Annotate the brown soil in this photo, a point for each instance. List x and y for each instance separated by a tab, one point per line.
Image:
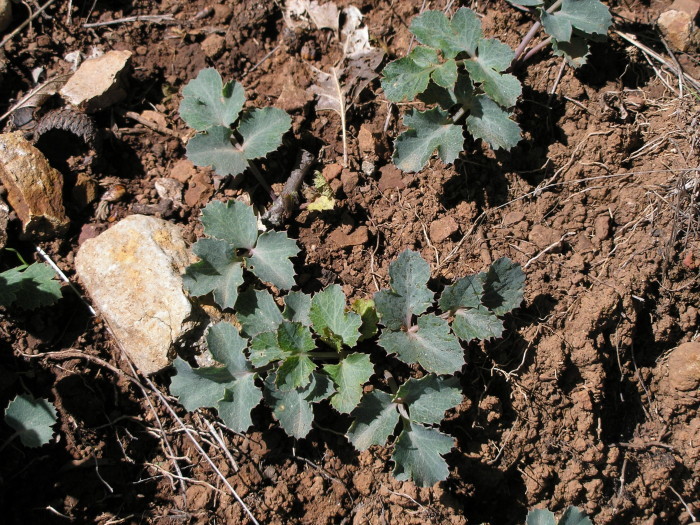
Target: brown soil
577	405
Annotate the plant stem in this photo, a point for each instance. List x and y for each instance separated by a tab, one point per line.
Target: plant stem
256	171
536	49
530	35
282	206
324	355
391	382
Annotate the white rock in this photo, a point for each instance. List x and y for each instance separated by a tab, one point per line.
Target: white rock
99	82
133	272
5	14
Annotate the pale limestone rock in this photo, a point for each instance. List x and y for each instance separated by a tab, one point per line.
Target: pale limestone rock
677	28
133	272
34	188
5	14
99	82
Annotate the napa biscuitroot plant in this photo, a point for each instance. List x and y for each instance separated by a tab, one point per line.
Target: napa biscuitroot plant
211	107
466	78
304	351
571	516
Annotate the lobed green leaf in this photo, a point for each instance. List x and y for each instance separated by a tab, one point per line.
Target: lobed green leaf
257	312
491	123
418	455
349	375
31	419
409	294
374	420
591	17
29	287
331	322
207	102
219	271
270	259
430	344
503	286
428	398
199	387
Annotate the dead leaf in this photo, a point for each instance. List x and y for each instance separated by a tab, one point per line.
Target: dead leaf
324	16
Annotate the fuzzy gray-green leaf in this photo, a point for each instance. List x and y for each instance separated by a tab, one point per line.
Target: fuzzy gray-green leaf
227	346
503	286
591	17
232	221
293	408
462	33
418	455
406	77
270	259
297	306
29	287
427	132
331	322
31	419
262	130
349	375
213	148
199	387
428	398
207	102
257	312
476	323
492	58
219	271
432	345
374	420
491	123
409	294
238	402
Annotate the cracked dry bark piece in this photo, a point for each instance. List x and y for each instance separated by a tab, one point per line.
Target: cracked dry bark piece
34	188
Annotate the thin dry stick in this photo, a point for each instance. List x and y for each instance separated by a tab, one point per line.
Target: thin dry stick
341	100
63	277
220	442
629	38
58	79
150	124
154	19
548	249
26	23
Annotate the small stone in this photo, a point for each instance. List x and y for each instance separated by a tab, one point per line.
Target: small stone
34	188
213	45
602	227
366	141
292	97
543	237
99	82
443	228
513	217
133	273
156	117
85	191
684	367
332	171
4	219
169	189
692	7
676	27
183	171
391	178
350	180
89	231
357	238
5	14
200	189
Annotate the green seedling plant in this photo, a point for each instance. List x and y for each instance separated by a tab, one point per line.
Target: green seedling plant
466	77
571	516
307	351
211	107
29	286
31	419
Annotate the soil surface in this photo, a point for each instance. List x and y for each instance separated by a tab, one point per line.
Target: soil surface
579	404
